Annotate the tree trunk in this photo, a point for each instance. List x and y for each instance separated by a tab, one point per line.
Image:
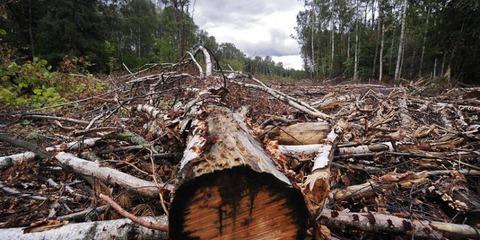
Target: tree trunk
348	45
401	42
374	69
424	43
311	40
382	41
30	31
113	229
355	68
231	189
332	4
299	133
443	63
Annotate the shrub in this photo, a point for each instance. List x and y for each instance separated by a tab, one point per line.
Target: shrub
33	84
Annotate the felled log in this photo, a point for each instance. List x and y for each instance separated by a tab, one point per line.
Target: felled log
231	188
299	133
402	180
7	161
381	223
109	175
113	229
317	184
341	150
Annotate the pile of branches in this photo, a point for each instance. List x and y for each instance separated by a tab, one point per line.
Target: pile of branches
370	160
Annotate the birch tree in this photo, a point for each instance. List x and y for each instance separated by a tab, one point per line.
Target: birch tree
401	41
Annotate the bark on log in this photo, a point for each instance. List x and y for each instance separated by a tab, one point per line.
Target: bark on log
110	175
341	150
8	161
231	188
299	133
317	184
376	222
113	229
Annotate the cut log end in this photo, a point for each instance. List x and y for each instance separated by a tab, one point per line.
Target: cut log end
237	203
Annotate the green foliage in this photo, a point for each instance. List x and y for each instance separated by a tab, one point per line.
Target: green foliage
348	67
163	51
30	84
33	84
108	52
236	64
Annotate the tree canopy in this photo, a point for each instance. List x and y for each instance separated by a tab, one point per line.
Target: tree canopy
109	33
378	38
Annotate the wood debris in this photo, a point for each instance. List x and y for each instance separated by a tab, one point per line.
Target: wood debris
227	155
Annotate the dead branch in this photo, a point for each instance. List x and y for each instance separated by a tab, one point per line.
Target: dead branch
7	161
288	100
110	175
112	229
381	223
15	192
34	116
135	219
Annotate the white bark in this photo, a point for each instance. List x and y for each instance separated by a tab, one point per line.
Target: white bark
109	175
424	43
8	161
401	42
355	68
208	61
15	159
317	185
376	222
300	149
342	151
289	100
151	110
200	70
332	5
113	229
382	41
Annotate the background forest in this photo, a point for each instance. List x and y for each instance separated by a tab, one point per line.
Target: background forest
110	33
44	42
379	39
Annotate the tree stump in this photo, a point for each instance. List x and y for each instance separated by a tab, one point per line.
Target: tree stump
231	188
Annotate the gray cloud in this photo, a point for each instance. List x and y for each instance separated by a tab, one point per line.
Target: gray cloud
281	44
236	12
235	19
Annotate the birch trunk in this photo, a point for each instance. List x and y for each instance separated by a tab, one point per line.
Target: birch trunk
332	5
382	41
424	43
113	229
401	42
355	68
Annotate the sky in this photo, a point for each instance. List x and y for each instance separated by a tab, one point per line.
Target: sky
257	27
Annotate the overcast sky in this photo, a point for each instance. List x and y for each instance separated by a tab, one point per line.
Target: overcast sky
257	27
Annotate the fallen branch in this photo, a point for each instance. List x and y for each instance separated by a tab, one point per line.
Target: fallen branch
135	219
56	118
151	110
15	192
113	229
287	99
81	214
8	161
110	175
317	184
381	223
